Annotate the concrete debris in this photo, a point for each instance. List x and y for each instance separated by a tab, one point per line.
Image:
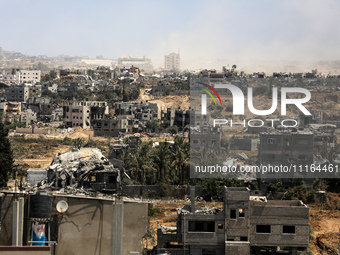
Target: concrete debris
186	210
81	171
243	156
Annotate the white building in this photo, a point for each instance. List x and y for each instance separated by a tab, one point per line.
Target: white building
172	62
22	76
30	76
82	113
10	78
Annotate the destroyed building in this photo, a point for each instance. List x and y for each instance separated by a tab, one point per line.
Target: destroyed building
112	127
298	148
286	148
181	118
136	110
205	136
85	170
245	225
324	136
82	113
244	144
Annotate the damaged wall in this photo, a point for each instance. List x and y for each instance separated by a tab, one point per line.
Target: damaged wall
86	227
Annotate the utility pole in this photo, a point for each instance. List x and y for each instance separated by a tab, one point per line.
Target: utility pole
117	226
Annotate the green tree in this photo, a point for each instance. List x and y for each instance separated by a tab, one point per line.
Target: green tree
6	156
173	130
152	125
181	159
161	159
91	73
139	162
78	143
53	74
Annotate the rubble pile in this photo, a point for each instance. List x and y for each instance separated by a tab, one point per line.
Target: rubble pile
81	171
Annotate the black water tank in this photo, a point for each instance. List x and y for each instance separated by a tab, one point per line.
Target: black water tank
41	205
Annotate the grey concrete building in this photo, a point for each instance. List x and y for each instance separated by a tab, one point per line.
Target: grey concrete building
244	144
206	136
286	148
17	93
245	225
181	118
112	127
130	108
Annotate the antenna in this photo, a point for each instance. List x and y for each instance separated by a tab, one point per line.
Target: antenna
62	206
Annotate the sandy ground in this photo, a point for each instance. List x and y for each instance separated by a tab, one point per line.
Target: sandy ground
163	103
325	225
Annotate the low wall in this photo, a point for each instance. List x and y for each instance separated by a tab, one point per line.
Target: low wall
153	191
43	131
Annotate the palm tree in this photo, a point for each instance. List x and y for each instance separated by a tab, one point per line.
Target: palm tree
161	158
139	161
181	158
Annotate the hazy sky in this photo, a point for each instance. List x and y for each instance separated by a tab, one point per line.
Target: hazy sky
207	33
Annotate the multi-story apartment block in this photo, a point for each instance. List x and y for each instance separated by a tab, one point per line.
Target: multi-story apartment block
34	93
10	78
17	93
285	148
146	115
21	76
143	111
112	127
84	112
172	62
181	118
245	225
10	108
23	93
206	136
31	76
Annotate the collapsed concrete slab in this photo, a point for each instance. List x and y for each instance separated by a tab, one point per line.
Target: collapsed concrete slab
85	170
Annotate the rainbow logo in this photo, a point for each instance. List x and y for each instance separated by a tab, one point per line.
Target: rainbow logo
213	90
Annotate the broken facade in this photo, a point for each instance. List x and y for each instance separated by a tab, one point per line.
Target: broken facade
243	226
85	170
82	113
181	118
205	136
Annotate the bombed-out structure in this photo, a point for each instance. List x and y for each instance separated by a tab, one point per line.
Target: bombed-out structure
85	170
245	225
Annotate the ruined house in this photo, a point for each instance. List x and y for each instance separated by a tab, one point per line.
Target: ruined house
112	127
85	170
245	225
205	136
83	113
181	118
285	148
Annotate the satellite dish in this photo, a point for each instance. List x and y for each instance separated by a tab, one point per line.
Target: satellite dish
62	206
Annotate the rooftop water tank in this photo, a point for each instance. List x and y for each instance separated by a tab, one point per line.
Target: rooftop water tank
41	205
